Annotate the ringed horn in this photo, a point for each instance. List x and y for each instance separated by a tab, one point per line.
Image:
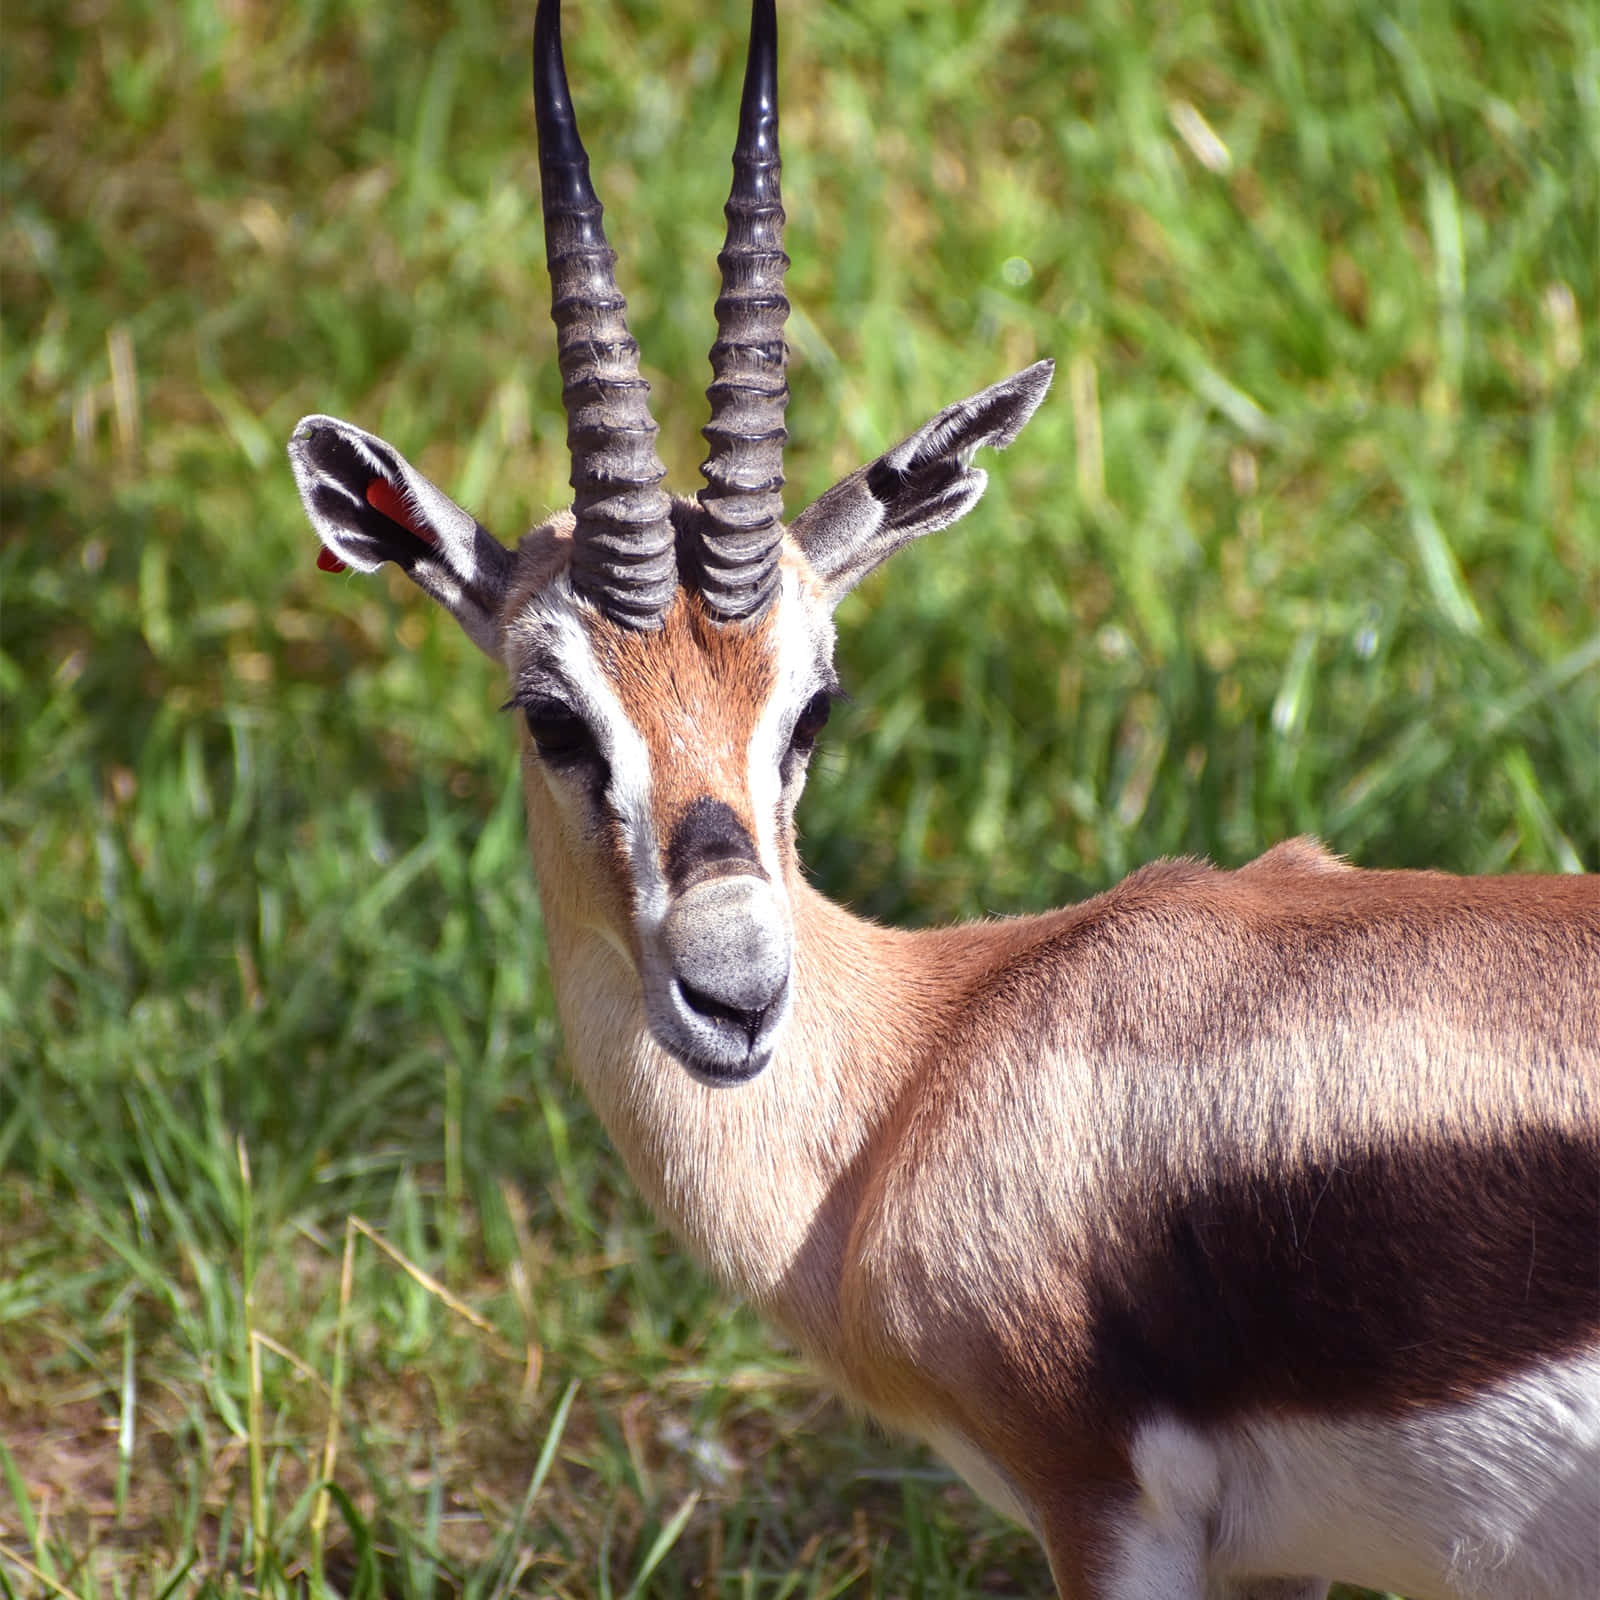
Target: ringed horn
623	542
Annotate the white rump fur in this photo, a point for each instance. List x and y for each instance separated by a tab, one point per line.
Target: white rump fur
1495	1498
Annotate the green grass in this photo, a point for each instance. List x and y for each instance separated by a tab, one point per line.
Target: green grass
1307	538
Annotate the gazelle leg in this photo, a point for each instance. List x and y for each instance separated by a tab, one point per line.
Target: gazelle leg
1129	1554
1146	1539
1141	1560
1150	1539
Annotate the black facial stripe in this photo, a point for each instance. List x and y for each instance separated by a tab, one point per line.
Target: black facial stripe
708	833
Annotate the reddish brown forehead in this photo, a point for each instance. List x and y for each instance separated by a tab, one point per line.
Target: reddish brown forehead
694	689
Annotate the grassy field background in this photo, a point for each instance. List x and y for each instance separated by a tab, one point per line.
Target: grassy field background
1306	538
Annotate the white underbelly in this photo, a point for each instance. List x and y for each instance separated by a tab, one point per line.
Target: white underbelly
1496	1498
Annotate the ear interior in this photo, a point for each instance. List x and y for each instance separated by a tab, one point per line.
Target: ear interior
369	505
925	483
352	499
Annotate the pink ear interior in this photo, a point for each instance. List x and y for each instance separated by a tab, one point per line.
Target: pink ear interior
381	496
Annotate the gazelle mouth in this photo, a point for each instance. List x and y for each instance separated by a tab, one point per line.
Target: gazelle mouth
719	1044
707	1006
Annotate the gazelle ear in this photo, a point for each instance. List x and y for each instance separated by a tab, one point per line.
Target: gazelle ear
370	505
925	483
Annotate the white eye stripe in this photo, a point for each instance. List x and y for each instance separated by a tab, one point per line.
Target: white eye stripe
800	650
565	643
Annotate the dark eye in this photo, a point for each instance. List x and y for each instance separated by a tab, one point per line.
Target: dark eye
812	720
558	731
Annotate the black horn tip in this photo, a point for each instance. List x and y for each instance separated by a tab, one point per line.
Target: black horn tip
552	101
758	106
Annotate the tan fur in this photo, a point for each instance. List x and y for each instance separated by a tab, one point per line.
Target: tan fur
693	690
1026	1109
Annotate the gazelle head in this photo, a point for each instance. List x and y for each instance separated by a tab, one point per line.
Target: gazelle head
672	657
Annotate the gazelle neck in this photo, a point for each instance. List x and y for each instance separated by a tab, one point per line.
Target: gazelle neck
762	1180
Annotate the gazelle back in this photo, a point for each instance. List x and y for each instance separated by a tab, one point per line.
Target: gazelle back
1236	1231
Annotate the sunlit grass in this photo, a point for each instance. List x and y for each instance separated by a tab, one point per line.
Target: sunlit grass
1307	538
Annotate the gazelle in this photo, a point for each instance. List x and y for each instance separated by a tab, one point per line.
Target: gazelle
1235	1230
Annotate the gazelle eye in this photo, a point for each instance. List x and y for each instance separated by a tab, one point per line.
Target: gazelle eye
559	733
811	721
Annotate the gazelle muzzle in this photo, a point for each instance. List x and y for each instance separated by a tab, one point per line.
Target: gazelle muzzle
717	978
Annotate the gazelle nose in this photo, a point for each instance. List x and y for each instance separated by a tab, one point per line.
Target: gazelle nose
728	942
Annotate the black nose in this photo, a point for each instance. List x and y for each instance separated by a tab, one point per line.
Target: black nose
705	840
